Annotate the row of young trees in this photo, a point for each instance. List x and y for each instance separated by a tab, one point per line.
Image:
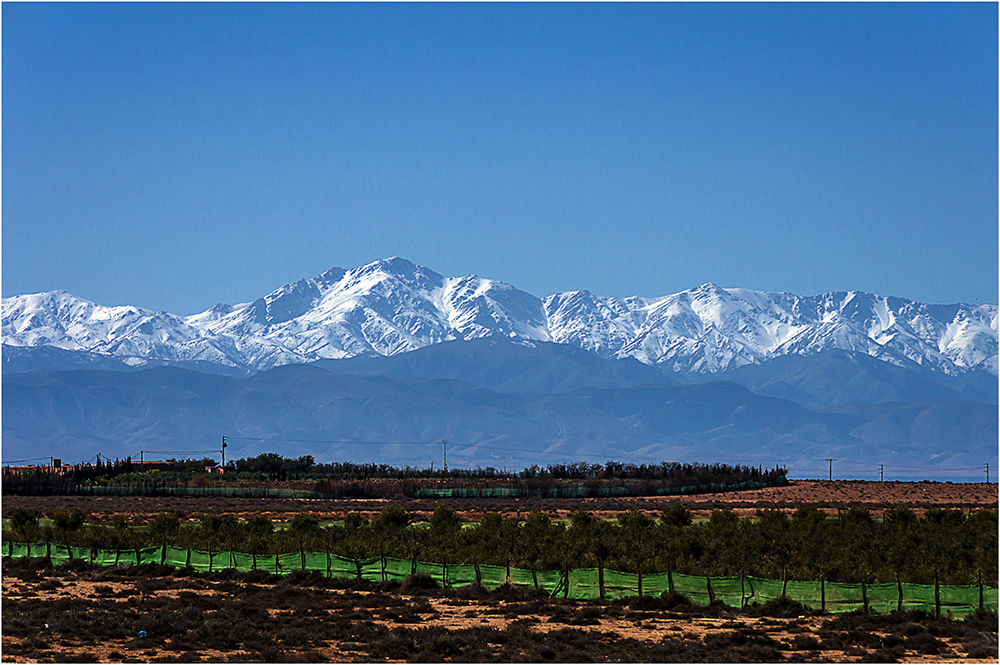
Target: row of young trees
331	478
676	473
944	545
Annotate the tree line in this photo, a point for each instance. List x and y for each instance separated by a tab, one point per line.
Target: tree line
350	478
943	546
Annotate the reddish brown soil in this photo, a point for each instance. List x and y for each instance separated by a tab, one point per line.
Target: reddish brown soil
145	601
826	495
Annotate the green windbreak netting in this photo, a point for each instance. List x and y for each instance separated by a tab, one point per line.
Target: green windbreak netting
289	562
176	557
842	597
521	577
58	554
371	569
991	599
759	590
104	558
460	575
550	581
243	562
435	570
584	583
882	598
397	569
655	584
694	587
342	567
200	561
544	580
492	576
316	561
80	553
243	492
809	594
149	555
960	599
919	597
728	590
620	585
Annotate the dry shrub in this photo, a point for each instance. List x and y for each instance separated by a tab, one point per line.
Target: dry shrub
419	582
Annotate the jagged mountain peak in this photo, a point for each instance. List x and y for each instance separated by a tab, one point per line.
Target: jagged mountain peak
393	305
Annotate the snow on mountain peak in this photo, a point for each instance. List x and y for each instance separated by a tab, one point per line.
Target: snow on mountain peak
393	305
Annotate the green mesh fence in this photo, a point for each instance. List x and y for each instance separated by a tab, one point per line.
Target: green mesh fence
584	583
460	575
842	597
808	593
918	597
104	557
728	590
759	590
435	570
492	576
239	492
243	561
656	584
694	587
882	598
620	585
521	578
199	561
175	557
581	583
955	598
342	567
397	569
369	569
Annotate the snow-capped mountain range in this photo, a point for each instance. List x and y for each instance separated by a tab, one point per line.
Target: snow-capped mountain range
393	306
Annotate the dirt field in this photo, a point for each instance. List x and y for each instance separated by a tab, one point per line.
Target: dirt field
826	495
77	613
82	614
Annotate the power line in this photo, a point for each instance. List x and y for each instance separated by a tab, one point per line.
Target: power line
380	443
900	466
33	459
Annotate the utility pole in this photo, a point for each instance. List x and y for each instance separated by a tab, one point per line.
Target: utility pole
986	466
445	442
223	452
141	460
831	460
880	473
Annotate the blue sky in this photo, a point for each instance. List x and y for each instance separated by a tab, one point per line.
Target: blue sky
173	156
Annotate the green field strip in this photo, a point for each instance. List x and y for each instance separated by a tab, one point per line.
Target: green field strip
580	584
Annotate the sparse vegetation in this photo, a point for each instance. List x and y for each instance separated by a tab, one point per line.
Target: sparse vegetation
255	617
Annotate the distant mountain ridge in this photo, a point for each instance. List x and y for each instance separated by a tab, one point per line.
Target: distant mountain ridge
393	306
